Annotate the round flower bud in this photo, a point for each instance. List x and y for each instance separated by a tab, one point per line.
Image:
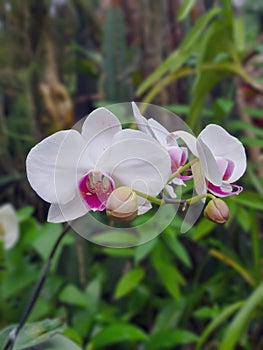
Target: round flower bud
122	204
217	211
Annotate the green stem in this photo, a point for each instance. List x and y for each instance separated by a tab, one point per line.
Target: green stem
198	197
166	200
188	201
149	198
181	170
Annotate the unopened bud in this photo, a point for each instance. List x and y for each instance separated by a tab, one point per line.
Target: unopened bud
217	211
122	204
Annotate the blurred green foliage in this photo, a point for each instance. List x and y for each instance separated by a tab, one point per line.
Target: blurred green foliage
201	290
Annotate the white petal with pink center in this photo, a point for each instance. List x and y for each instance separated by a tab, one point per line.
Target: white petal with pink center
222	160
77	172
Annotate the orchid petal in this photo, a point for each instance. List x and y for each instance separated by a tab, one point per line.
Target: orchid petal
158	131
51	166
143	206
222	166
137	163
199	179
69	211
179	180
208	162
98	130
226	146
170	190
171	140
178	157
9	223
189	140
225	190
141	121
132	134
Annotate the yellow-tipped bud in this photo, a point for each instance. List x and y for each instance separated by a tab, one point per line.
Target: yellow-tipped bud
217	211
122	204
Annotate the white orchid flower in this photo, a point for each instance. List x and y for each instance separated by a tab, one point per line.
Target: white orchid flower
76	172
178	155
222	160
9	229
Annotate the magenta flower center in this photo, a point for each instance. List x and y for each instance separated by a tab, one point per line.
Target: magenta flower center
178	156
226	167
95	189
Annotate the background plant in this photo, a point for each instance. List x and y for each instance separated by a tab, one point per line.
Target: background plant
200	290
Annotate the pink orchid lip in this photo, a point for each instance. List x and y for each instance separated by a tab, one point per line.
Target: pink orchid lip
226	166
229	170
217	190
95	188
178	156
185	177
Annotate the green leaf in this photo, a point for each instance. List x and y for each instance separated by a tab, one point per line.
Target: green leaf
256	244
171	277
128	282
255	180
169	316
246	274
249	199
93	292
115	238
117	333
249	141
171	338
206	312
185	8
239	34
7	179
217	321
24	213
223	106
124	252
168	273
203	228
238	326
60	342
33	333
177	247
143	250
243	218
47	237
254	112
73	296
245	126
178	57
192	37
184	109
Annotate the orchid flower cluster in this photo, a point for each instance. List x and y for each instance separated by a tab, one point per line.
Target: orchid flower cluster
124	171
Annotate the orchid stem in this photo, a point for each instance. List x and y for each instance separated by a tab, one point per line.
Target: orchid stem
166	200
188	201
182	169
38	287
150	198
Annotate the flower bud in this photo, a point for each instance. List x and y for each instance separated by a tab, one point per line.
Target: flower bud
122	204
217	211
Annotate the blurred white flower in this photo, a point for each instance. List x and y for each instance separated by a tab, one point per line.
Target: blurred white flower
9	228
